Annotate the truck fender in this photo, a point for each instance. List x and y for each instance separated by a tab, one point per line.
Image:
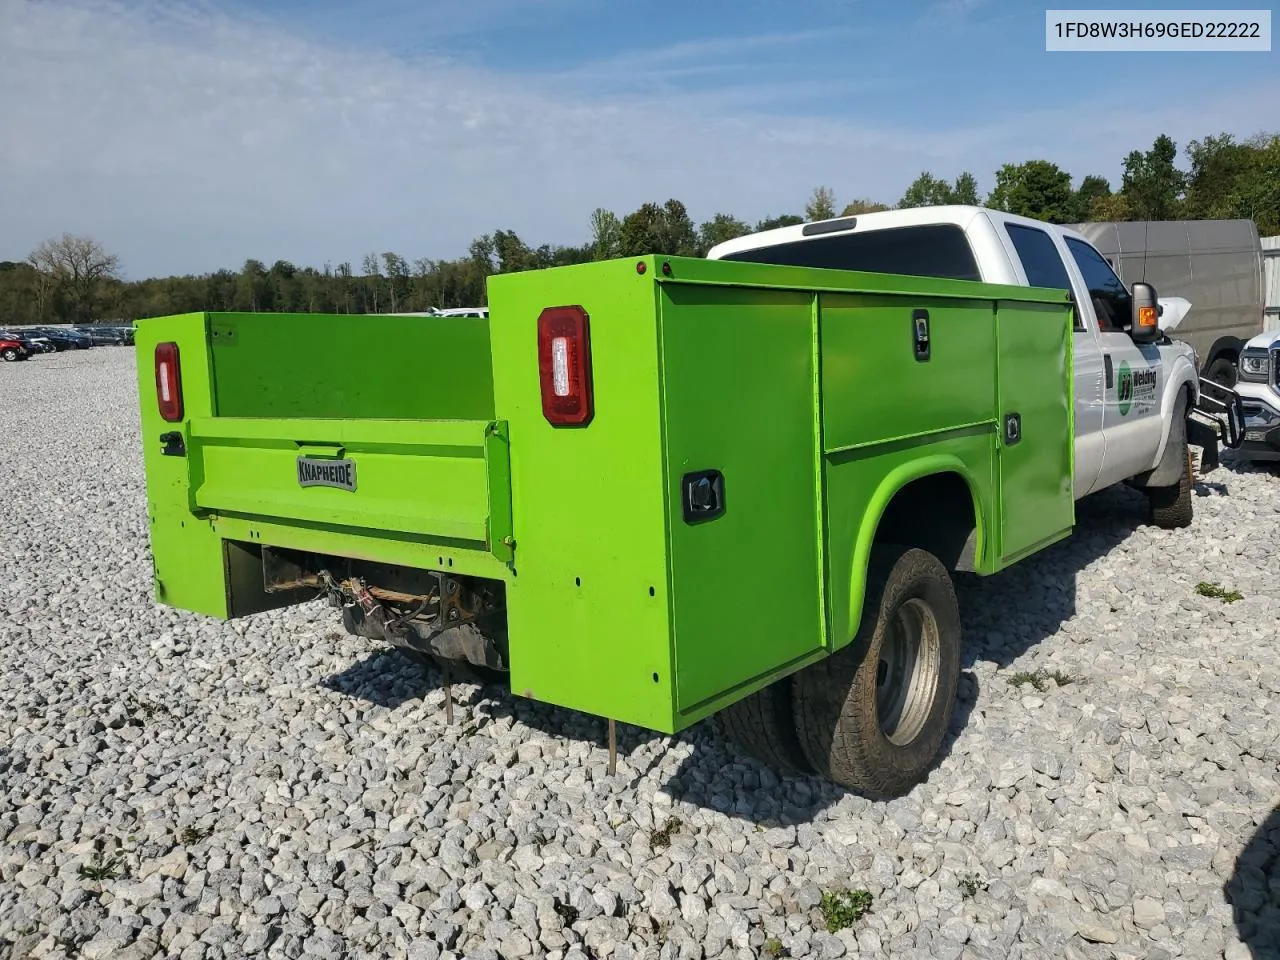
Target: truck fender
893	484
1181	393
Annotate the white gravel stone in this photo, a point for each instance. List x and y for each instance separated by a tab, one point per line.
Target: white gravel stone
275	785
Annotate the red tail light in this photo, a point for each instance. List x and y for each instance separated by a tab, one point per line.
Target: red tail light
168	382
564	366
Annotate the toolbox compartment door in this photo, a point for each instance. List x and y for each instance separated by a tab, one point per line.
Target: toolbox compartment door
739	398
1035	427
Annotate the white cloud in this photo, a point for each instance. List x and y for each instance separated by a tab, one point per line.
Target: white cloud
186	139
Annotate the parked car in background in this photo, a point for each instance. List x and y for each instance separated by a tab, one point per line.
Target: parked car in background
103	334
64	338
1215	264
473	312
12	350
33	344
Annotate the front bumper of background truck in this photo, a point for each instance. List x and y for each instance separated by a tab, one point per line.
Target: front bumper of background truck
1218	418
1261	405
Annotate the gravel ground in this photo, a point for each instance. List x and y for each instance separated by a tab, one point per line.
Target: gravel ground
172	786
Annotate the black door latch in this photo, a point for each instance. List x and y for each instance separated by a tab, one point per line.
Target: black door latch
920	334
173	444
702	495
1012	429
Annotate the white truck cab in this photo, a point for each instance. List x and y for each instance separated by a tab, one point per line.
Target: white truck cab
1135	389
1259	389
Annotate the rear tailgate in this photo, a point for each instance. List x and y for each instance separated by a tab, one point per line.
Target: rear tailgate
443	480
355	436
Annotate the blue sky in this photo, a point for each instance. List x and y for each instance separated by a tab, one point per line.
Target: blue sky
191	134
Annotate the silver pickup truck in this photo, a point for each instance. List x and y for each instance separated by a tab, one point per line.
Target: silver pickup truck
1259	389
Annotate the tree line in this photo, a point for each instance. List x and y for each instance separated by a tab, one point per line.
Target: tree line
74	279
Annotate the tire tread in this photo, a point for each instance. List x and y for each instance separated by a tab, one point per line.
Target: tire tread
1172	507
828	701
762	725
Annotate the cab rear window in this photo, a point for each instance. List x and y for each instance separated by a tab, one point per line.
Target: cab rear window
930	250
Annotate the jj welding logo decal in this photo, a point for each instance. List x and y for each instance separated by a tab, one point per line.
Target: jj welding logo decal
1135	389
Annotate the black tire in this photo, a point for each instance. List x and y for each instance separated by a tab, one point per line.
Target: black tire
9	355
1172	507
838	701
763	726
1223	371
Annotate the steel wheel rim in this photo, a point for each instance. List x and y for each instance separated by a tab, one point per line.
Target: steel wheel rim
907	672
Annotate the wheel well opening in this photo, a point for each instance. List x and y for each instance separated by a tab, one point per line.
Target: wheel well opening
934	513
1227	348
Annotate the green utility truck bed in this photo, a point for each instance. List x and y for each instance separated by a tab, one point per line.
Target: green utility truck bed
735	440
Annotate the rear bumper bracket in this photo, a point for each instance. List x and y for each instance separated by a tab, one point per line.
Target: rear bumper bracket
1218	418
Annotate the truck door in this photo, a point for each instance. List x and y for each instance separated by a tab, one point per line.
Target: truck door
1043	266
1132	375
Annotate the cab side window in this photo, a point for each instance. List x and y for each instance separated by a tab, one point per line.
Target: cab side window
1111	301
1041	261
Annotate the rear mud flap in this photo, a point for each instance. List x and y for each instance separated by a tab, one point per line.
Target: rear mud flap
1218	418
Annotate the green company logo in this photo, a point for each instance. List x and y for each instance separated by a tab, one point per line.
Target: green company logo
1124	388
1136	386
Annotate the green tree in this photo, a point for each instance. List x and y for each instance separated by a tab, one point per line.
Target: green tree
640	231
1035	188
511	252
654	229
1218	164
1091	188
606	234
282	286
926	190
679	236
372	280
784	220
718	229
76	269
1152	183
965	189
821	205
342	274
398	286
252	287
858	207
1110	208
1256	193
470	285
